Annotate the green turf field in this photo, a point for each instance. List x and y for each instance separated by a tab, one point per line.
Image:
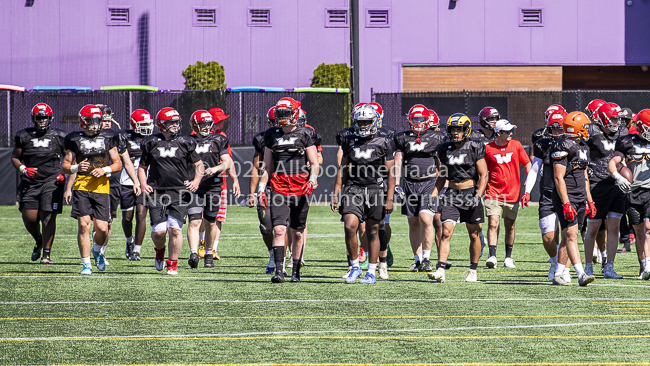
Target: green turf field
232	314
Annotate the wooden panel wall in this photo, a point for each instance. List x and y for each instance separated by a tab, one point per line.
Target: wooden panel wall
484	78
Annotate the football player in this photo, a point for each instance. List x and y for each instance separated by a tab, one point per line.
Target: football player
415	156
263	214
132	199
462	163
37	156
544	131
570	157
504	158
634	150
487	118
548	218
609	200
165	174
368	158
92	155
212	148
627	231
288	151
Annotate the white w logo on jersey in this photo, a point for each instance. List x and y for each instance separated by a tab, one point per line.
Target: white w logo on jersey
134	145
167	153
89	145
457	160
609	145
417	147
582	155
41	143
503	159
641	150
203	149
286	141
365	154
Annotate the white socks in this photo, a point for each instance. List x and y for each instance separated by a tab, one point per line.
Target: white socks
426	254
372	267
355	262
136	248
86	260
579	269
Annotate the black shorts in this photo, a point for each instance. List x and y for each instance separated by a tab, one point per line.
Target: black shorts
545	208
639	201
578	219
128	199
264	215
116	196
165	203
291	209
461	204
418	197
46	196
608	198
204	205
366	203
96	205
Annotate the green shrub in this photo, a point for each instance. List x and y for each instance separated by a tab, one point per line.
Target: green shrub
331	76
210	76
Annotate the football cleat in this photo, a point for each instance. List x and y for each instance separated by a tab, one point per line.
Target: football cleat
383	270
492	262
278	277
194	260
215	255
645	275
566	275
471	276
559	281
135	256
269	269
38	246
425	266
87	269
370	279
415	267
609	272
584	280
172	267
438	275
509	263
100	260
129	250
347	273
202	249
208	261
46	260
589	269
295	277
355	273
160	259
447	264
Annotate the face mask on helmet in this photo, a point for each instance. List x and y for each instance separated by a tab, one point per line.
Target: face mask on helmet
284	116
456	134
364	127
144	128
419	124
172	127
366	121
203	128
93	124
41	122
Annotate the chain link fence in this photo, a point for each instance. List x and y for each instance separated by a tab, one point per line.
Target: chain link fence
326	112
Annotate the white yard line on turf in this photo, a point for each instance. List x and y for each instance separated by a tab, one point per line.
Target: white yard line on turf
329	331
307	300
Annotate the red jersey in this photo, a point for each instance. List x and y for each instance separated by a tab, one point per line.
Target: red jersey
632	130
504	165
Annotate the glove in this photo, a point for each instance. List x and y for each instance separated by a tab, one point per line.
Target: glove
623	183
591	210
30	172
262	200
307	189
399	192
525	199
569	212
60	179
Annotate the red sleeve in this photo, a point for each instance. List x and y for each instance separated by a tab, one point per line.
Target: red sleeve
523	156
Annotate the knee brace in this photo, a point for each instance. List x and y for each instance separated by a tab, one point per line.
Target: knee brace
634	216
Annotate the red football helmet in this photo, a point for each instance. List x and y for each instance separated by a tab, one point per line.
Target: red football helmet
554	122
168	120
553	108
42	116
434	120
201	122
419	118
643	124
488	116
359	105
90	118
270	116
141	122
608	117
592	107
287	112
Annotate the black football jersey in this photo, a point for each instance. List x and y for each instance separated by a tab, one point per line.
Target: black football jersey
575	156
478	135
289	156
41	150
386	132
366	159
130	141
461	162
539	134
258	143
170	161
419	154
636	152
210	149
342	133
601	150
542	150
94	148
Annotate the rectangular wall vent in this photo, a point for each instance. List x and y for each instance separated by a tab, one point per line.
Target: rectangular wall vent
118	15
377	18
259	17
336	18
529	17
204	17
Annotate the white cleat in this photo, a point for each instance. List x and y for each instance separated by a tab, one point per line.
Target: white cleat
471	276
491	262
383	270
348	273
566	275
438	275
509	263
584	280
